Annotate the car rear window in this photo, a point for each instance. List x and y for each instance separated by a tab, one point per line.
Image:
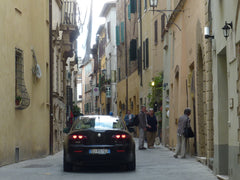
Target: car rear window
97	122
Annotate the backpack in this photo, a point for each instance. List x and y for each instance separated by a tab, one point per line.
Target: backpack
136	120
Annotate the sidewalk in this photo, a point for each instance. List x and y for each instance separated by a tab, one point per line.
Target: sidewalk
169	168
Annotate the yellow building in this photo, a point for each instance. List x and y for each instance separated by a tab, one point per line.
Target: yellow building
150	43
24	92
187	61
127	61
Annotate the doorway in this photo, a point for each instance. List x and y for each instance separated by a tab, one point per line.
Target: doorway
221	144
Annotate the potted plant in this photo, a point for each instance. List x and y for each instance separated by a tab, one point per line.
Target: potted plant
18	100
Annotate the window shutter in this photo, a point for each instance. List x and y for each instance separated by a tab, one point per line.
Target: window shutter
133	6
144	55
139	9
133	49
129	12
156	32
109	30
117	36
147	54
162	26
122	32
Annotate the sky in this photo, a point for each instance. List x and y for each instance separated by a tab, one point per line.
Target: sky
84	6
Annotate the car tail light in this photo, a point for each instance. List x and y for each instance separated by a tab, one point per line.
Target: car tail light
78	137
120	136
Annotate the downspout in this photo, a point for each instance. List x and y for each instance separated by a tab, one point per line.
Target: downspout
51	78
140	63
126	56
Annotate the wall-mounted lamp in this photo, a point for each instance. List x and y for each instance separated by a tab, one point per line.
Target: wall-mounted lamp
152	83
154	3
226	29
206	33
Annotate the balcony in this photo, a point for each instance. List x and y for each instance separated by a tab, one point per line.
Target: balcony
69	27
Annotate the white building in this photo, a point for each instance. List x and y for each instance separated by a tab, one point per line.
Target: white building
109	12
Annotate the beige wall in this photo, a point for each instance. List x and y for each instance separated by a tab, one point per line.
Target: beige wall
155	50
185	45
24	25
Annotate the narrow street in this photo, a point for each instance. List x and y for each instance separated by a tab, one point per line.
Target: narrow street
152	164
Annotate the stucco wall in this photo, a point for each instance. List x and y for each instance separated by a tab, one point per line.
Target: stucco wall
26	129
224	56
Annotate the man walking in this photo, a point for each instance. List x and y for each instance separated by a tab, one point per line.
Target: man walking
151	128
181	140
142	127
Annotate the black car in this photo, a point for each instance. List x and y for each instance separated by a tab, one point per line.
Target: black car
99	140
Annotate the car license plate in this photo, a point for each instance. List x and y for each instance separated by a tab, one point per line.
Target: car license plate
99	151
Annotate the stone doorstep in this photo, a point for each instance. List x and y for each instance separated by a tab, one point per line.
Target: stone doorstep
202	160
222	177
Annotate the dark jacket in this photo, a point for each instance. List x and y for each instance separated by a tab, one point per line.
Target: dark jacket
152	121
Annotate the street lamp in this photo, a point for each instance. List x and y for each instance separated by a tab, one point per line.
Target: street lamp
226	29
153	3
153	83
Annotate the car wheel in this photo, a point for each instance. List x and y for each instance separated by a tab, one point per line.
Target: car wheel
132	165
67	167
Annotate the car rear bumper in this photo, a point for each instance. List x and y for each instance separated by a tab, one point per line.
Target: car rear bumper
80	155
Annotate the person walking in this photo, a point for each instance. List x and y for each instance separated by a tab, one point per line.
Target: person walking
129	121
142	116
181	140
151	128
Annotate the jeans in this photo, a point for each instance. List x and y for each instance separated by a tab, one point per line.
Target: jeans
141	138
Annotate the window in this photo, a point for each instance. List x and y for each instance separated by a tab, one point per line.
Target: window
145	54
133	5
129	12
122	32
133	49
22	99
145	5
109	30
117	36
119	74
156	32
162	26
139	9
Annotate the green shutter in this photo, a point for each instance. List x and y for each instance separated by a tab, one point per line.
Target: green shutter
129	12
117	36
147	53
122	32
133	50
133	6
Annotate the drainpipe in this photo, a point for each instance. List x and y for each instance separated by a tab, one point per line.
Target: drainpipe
126	56
51	78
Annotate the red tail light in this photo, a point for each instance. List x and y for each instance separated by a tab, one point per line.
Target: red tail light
78	137
120	136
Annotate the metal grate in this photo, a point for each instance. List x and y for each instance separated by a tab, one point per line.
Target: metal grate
22	99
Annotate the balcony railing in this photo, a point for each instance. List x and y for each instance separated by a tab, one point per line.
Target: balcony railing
69	14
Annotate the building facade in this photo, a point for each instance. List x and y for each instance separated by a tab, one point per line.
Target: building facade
109	13
64	71
24	77
186	53
127	62
225	70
